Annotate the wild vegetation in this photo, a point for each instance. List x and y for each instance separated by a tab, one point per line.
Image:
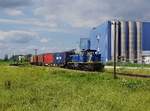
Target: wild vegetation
128	64
138	71
32	88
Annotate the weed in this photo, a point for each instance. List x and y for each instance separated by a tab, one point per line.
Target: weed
32	88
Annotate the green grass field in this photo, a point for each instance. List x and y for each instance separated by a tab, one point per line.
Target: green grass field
128	64
33	88
139	71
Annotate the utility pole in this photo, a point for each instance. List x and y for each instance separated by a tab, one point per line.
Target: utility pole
35	51
14	58
114	74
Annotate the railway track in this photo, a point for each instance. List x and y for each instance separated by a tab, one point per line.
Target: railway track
129	74
134	75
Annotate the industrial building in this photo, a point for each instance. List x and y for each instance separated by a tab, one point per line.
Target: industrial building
84	43
132	41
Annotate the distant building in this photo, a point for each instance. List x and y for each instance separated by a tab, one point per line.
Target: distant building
84	43
132	37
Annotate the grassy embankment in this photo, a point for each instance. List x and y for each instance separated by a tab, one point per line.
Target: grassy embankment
53	89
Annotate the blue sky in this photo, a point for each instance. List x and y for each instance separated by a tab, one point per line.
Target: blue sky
57	25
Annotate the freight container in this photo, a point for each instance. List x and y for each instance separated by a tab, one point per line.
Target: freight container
28	58
35	59
40	59
60	58
31	60
48	59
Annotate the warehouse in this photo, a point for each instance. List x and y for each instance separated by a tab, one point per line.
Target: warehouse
132	40
84	43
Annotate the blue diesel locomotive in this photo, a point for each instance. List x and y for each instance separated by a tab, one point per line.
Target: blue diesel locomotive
88	60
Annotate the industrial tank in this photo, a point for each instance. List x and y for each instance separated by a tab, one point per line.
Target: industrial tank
113	30
117	40
132	51
139	41
123	40
112	38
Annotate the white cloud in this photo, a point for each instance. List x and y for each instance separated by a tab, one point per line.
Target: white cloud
18	41
30	21
3	46
17	36
44	40
14	12
83	13
14	3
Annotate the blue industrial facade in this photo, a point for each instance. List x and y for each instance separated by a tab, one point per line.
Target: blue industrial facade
84	43
104	33
105	40
146	36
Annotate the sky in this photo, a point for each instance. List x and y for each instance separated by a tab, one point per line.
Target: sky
58	25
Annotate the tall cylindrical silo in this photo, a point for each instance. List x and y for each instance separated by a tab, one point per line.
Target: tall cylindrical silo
123	40
112	39
114	29
139	41
132	31
117	40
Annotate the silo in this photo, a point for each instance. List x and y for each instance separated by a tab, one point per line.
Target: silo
132	32
139	41
114	29
112	39
117	40
123	40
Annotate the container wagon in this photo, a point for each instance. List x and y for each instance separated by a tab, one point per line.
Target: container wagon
34	60
62	58
48	59
40	60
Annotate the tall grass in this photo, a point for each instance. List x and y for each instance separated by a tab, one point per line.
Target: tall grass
53	89
128	64
139	71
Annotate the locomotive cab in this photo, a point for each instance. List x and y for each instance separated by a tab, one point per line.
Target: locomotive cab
86	60
91	56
